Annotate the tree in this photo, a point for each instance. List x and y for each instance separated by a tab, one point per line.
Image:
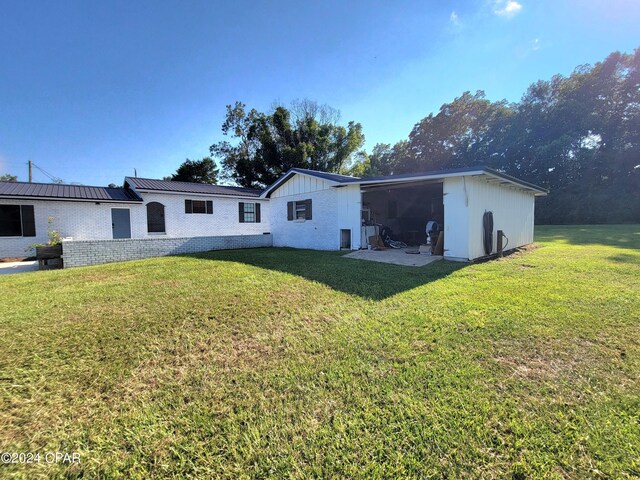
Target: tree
265	145
8	178
196	171
579	136
382	161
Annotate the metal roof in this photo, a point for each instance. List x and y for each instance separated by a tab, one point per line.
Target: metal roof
407	177
188	187
334	177
67	192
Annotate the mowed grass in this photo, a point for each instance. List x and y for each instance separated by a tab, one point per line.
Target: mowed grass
283	363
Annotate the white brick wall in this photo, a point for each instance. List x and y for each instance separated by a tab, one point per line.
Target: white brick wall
84	220
94	252
223	221
319	233
91	221
332	209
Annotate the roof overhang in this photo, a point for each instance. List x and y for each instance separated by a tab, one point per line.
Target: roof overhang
67	199
290	174
492	176
196	194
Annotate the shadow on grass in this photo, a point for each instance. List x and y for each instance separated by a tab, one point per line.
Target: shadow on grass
624	236
370	280
625	258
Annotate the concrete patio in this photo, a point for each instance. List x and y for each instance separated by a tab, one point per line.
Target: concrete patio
395	256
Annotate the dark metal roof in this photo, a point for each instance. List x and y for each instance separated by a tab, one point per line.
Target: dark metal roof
334	177
346	180
67	192
188	187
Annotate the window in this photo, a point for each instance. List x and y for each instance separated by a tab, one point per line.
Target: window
198	206
155	218
17	221
249	212
299	210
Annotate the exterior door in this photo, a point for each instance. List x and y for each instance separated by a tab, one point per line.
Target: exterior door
121	223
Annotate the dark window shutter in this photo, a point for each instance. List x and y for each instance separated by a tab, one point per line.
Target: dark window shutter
257	213
209	206
289	210
241	212
28	221
308	212
188	206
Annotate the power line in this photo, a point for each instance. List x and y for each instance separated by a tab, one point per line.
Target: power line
53	178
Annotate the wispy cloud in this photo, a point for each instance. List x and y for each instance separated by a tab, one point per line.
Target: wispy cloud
535	44
454	19
506	8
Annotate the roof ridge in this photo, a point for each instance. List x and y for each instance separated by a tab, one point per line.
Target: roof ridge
59	184
193	183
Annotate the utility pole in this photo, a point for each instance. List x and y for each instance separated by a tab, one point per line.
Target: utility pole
30	171
135	173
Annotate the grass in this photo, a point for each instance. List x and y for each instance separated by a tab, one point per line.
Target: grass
284	363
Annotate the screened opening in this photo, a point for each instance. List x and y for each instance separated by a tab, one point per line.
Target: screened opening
406	210
155	218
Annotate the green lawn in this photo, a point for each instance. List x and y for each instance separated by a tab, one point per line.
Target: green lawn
284	363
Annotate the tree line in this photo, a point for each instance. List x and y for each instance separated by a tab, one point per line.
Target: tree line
578	136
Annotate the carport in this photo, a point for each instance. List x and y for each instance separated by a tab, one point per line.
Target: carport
403	208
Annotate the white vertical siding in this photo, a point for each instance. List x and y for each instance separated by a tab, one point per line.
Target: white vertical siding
456	218
513	212
349	206
300	184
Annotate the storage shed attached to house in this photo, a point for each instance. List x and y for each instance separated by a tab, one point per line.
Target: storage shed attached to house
318	210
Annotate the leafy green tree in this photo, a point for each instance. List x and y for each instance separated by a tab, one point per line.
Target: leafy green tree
579	136
265	145
8	178
196	171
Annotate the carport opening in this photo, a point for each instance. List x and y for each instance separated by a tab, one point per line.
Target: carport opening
405	209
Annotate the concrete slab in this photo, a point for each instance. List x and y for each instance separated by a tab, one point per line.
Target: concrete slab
395	256
18	267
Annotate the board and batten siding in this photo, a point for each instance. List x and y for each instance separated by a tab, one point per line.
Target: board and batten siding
456	219
513	213
465	201
300	184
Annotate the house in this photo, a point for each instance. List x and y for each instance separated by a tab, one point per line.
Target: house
325	211
142	209
303	209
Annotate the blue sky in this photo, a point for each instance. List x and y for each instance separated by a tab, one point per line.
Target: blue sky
91	90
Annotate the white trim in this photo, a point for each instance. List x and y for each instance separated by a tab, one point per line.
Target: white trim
191	194
57	199
269	190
